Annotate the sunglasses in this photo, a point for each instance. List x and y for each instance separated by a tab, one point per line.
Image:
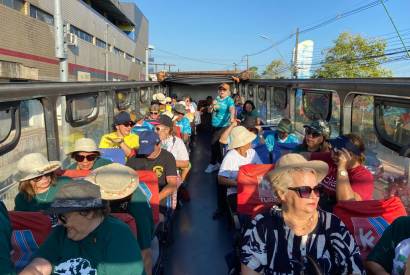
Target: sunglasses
222	89
129	124
153	113
39	178
305	191
62	218
81	158
158	129
312	133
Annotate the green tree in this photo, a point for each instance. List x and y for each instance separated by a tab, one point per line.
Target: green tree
275	69
353	56
254	72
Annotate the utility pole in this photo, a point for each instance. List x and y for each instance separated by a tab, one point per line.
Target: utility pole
234	65
247	62
295	56
60	46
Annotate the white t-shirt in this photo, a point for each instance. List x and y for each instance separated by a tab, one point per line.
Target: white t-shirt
176	147
231	163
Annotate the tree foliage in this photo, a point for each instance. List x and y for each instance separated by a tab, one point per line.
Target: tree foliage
275	69
254	72
353	56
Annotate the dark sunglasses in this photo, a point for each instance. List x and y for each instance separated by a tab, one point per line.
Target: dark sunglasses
37	179
62	218
153	113
81	158
312	133
157	129
305	191
222	89
129	124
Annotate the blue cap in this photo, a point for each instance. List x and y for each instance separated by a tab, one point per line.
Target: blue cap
122	118
148	140
344	142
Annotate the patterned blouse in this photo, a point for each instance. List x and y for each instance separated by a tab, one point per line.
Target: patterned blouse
270	246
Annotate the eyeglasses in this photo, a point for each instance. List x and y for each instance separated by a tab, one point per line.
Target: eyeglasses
158	129
153	113
305	191
39	178
62	218
312	133
222	89
81	158
129	124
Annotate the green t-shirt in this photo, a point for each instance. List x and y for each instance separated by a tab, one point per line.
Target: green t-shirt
6	266
393	248
111	249
97	164
139	208
40	201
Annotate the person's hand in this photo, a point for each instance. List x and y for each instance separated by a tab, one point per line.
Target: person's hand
344	158
234	123
233	120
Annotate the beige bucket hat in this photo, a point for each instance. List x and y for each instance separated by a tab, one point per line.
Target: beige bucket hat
85	145
292	161
35	165
115	180
240	136
160	97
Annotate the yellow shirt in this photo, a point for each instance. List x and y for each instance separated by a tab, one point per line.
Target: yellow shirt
131	140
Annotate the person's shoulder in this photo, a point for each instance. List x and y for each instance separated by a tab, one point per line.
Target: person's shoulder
401	222
362	171
166	154
116	227
330	221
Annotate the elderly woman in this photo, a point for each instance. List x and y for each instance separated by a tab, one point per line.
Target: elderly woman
297	237
89	241
240	153
248	110
86	155
121	187
316	134
37	182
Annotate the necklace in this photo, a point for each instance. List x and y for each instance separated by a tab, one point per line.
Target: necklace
306	226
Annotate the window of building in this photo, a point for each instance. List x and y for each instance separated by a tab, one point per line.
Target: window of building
100	43
14	4
128	57
81	34
118	51
41	15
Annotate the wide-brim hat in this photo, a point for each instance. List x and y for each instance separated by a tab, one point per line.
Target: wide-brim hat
240	136
160	98
225	86
85	145
34	165
285	127
77	195
180	108
116	181
292	161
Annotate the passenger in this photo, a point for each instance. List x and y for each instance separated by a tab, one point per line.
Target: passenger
316	134
161	100
174	100
238	105
86	155
348	178
282	135
38	182
121	137
391	253
240	153
140	124
154	112
223	114
152	157
168	107
121	187
6	265
248	109
182	122
250	123
298	238
89	241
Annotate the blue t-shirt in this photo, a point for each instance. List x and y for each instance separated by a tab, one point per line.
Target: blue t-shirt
184	125
277	146
146	126
221	117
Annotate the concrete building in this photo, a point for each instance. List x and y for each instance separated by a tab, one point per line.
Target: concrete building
105	38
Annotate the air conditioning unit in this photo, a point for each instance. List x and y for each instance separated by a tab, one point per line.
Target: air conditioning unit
72	39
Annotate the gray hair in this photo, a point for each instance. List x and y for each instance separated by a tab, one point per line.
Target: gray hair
285	180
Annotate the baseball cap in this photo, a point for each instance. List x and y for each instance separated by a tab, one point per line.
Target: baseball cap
165	120
122	118
148	140
344	142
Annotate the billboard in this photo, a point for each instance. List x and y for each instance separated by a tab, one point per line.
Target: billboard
305	57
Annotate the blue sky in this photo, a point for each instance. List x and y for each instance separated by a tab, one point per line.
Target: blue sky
223	31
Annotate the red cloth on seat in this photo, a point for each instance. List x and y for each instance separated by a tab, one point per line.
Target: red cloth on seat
177	131
367	220
75	173
151	180
254	192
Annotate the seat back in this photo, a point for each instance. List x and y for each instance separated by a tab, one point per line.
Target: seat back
75	173
263	153
114	154
177	131
254	191
151	181
367	220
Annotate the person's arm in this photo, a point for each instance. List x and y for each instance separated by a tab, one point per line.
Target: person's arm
374	268
147	259
247	271
233	113
38	266
226	181
170	188
182	163
224	137
344	191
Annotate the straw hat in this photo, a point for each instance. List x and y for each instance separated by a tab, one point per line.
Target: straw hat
168	99
85	145
35	165
240	136
115	180
292	161
160	98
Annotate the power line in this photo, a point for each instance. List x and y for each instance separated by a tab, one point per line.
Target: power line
192	58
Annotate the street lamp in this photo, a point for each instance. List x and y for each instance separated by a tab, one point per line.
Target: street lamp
147	53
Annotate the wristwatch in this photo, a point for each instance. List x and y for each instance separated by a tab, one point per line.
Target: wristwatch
343	173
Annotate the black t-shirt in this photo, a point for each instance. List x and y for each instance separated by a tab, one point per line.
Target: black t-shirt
164	165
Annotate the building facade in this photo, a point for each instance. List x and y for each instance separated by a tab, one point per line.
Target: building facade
105	40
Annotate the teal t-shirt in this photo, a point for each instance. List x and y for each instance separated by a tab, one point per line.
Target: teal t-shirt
185	126
40	201
139	208
273	139
6	266
97	164
221	116
110	249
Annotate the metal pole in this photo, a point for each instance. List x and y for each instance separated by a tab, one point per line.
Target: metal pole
146	63
234	65
247	62
106	53
60	49
295	60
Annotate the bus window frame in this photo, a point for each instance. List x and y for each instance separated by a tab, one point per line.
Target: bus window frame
14	107
82	121
318	92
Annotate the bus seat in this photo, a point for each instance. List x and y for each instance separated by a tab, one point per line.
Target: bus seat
254	192
267	132
263	153
151	180
31	229
114	154
281	149
75	173
367	220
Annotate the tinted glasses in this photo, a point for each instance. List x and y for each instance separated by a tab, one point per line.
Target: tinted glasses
62	218
37	179
153	113
305	191
81	158
313	133
129	124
